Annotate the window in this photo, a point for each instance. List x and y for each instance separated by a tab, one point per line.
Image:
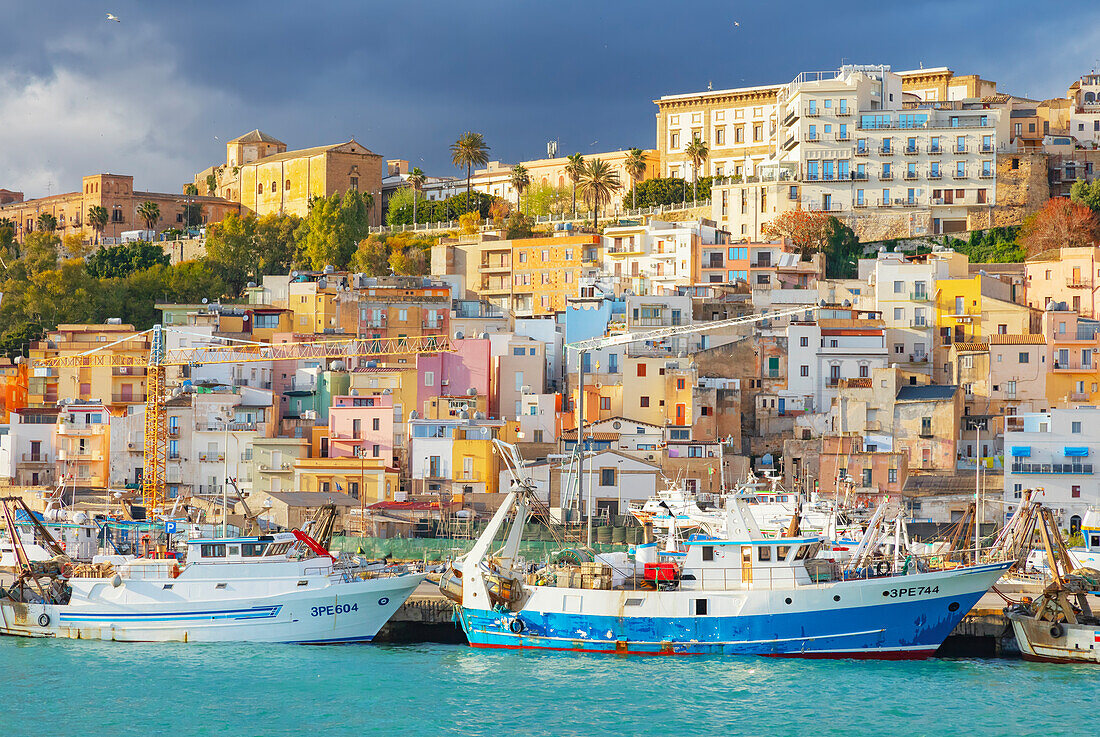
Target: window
926	426
1075	492
899	287
892	476
863	369
287	185
1024	357
675	141
607	477
605	403
803	370
1076	428
804	342
641	369
643	402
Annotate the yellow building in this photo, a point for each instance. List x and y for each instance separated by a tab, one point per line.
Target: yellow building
1072	360
265	178
966	311
530	276
364	479
115	387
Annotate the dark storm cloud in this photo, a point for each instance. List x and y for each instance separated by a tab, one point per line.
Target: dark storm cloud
149	95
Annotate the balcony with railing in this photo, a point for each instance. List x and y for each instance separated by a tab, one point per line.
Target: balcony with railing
985	174
1077	283
813	137
886	176
861	151
121	398
886	150
129	371
911	150
812	112
843	136
907	202
212	457
935	148
910	176
859	176
987	148
33	458
1073	366
832	382
960	149
1065	469
935	174
958	174
918	296
843	112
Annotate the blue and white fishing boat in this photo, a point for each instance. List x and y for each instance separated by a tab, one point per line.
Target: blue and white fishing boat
740	593
273	588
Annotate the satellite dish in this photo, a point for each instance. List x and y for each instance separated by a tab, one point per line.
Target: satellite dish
471	392
464	415
245	317
414	415
387	392
251	285
458	335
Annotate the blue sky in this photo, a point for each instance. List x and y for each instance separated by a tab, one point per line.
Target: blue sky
157	95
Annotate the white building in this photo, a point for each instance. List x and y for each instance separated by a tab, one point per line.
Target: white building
1054	451
905	293
822	352
1084	117
655	258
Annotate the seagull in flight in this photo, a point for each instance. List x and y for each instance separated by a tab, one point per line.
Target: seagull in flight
113	17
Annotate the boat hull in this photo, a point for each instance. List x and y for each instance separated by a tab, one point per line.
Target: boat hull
348	612
903	617
1078	643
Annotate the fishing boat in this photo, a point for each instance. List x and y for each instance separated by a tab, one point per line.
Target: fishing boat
1059	625
737	594
283	587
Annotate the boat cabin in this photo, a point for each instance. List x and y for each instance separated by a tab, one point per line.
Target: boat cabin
260	549
712	563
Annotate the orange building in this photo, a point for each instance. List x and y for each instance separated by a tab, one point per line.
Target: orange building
13	388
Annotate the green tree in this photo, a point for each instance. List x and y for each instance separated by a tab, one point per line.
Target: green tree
399	209
275	243
125	259
1086	194
41	251
231	248
410	261
190	190
660	191
331	231
597	185
7	237
211	184
189	282
520	180
698	152
372	257
47	222
519	226
546	199
574	169
468	151
97	220
16	338
842	251
416	181
635	165
149	212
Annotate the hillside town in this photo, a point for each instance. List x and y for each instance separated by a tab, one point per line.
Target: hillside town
870	283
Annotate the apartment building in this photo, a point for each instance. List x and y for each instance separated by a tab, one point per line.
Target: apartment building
31	447
898	153
823	351
904	289
1084	119
969	310
1067	275
1053	451
1073	358
115	387
657	257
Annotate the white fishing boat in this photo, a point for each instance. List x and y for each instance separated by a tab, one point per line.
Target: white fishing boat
274	588
738	593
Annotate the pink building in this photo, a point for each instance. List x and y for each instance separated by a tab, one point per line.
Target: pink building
453	374
361	422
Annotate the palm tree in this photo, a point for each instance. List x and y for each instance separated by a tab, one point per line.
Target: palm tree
47	222
698	152
150	213
416	181
467	152
635	168
598	183
97	218
521	180
574	169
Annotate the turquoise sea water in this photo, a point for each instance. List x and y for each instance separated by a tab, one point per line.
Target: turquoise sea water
86	688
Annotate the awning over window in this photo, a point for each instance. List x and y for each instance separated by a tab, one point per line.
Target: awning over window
1021	451
1076	452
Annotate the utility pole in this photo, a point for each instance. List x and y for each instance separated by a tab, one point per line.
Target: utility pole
582	498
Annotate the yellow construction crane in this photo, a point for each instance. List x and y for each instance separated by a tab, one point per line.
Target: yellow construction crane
156	425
